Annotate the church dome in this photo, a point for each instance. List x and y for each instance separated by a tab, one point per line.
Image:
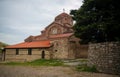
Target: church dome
64	18
62	15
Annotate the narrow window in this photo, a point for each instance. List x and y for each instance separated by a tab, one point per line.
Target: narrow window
29	51
56	44
55	50
43	54
17	51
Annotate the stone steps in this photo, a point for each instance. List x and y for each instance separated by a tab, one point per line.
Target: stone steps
75	62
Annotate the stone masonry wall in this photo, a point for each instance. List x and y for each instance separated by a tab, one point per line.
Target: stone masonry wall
105	56
60	49
23	54
82	51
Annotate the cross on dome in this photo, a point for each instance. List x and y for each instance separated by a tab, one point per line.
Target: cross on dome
63	10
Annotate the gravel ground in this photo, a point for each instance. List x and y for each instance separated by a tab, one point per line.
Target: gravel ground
45	71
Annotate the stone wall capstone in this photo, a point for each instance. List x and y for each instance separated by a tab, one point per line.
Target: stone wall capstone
105	56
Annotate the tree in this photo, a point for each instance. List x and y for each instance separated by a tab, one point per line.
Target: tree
97	21
2	45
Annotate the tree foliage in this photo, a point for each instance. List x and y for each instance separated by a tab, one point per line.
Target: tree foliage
97	21
2	45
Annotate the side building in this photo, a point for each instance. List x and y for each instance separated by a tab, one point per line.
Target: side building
56	41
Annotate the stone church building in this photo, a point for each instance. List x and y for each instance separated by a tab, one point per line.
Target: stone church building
56	41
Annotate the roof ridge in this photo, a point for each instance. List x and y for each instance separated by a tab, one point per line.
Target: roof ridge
33	44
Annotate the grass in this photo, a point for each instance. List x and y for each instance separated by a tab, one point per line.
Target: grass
44	62
86	68
12	63
39	62
53	62
83	60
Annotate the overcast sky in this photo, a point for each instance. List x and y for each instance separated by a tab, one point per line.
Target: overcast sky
22	18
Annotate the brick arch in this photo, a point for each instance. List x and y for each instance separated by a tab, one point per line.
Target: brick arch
53	26
56	43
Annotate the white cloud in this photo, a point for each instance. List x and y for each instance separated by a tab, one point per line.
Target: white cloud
10	38
21	18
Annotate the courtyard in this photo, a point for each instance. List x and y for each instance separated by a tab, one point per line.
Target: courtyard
46	71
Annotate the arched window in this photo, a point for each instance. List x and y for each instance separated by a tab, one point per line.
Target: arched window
54	31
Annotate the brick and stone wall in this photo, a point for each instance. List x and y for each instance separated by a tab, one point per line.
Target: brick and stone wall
82	51
10	54
75	49
105	56
60	48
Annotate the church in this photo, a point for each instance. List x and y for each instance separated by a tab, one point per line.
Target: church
56	41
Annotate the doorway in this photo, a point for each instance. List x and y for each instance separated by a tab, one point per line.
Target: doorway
43	54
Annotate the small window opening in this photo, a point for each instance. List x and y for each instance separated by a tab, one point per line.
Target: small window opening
29	51
17	51
55	50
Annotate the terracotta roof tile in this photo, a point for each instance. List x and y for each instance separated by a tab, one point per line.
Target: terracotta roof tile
35	44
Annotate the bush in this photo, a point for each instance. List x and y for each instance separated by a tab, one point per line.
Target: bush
86	68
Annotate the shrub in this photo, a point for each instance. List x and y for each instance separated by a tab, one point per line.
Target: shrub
86	68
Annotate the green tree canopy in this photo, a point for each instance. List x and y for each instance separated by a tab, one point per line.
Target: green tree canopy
97	21
2	45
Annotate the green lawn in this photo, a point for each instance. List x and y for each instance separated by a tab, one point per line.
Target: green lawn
39	62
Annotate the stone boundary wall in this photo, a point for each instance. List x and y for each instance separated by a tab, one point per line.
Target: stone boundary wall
105	56
0	56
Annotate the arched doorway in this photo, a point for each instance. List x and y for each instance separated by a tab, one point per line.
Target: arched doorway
43	54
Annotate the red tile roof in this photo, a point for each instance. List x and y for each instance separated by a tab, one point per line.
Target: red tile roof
61	35
35	44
